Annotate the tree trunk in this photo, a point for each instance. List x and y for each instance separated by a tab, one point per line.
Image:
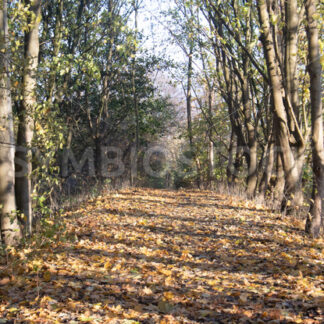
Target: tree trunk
237	163
252	169
290	167
58	33
291	56
26	119
230	164
211	164
252	158
10	231
313	225
269	162
98	158
211	161
135	99
188	98
279	185
189	117
291	100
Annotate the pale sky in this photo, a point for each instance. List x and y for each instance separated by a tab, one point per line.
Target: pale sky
152	24
157	40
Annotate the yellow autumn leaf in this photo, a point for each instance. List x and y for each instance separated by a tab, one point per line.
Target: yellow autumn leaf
47	276
168	295
108	265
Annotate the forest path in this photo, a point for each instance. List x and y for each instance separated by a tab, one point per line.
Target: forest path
159	256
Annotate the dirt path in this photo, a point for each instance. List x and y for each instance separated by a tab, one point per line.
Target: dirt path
156	256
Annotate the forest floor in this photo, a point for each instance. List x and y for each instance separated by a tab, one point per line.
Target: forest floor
158	256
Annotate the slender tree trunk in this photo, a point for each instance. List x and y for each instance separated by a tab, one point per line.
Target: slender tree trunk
26	119
230	164
209	91
291	56
269	162
238	162
211	164
98	157
10	231
252	169
56	48
252	179
313	225
189	116
252	157
135	99
211	161
188	98
279	187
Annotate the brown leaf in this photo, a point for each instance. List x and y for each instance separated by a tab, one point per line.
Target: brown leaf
4	281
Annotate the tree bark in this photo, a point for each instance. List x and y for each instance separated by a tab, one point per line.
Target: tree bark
237	163
188	97
189	115
211	161
23	186
292	176
313	225
291	97
10	230
269	162
98	158
252	158
291	56
58	33
135	97
230	164
280	182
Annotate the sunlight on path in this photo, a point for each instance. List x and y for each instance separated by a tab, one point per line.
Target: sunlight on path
157	256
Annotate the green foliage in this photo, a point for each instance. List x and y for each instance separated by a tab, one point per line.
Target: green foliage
84	89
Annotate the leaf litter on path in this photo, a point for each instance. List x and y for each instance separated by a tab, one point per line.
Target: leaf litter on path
159	256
